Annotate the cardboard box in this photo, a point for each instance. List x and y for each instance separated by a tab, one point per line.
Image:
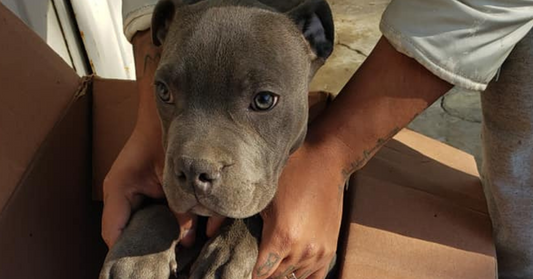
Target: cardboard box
416	211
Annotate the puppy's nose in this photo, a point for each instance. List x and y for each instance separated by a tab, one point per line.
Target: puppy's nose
203	180
199	173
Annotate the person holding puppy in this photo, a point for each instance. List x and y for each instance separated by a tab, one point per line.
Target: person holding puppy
427	47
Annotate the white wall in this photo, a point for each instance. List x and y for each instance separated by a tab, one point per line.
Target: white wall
100	47
100	22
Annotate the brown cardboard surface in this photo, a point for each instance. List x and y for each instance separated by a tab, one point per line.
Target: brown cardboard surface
417	213
114	114
35	88
50	227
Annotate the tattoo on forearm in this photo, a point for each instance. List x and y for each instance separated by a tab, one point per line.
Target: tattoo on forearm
265	268
367	154
149	58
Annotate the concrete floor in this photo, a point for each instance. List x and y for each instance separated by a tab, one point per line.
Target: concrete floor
454	119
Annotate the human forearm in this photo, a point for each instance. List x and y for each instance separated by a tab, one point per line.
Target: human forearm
137	170
146	59
381	98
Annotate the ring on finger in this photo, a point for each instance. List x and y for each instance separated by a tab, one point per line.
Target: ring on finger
291	276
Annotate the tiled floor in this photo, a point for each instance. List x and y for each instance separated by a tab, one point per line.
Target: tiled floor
454	119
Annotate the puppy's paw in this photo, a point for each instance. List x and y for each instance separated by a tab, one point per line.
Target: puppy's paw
146	248
160	265
229	255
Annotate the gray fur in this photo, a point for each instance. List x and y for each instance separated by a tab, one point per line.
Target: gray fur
223	158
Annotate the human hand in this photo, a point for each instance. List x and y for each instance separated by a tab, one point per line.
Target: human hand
301	226
134	175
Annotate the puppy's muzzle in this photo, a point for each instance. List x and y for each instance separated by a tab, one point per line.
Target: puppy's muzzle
200	174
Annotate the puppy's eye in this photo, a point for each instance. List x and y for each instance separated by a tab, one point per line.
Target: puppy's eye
264	101
163	93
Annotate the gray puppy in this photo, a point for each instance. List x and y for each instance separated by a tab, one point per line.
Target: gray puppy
231	90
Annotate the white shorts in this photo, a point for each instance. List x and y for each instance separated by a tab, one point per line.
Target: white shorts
461	41
137	16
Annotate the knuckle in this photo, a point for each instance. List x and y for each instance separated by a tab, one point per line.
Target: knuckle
323	253
310	250
287	238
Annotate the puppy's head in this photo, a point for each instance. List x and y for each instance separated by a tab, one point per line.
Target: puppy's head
231	90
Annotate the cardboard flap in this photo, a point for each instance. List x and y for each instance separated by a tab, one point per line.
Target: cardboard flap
417	210
36	87
50	228
440	170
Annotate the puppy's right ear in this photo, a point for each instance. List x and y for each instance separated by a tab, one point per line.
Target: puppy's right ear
162	16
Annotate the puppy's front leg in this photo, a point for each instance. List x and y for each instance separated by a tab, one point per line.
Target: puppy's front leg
232	253
146	248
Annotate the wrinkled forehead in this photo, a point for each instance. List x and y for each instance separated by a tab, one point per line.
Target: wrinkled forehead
240	40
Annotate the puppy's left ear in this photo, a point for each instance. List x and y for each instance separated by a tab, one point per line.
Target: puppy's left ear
314	19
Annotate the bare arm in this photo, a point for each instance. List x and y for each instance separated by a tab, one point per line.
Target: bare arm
146	60
302	224
382	97
136	171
